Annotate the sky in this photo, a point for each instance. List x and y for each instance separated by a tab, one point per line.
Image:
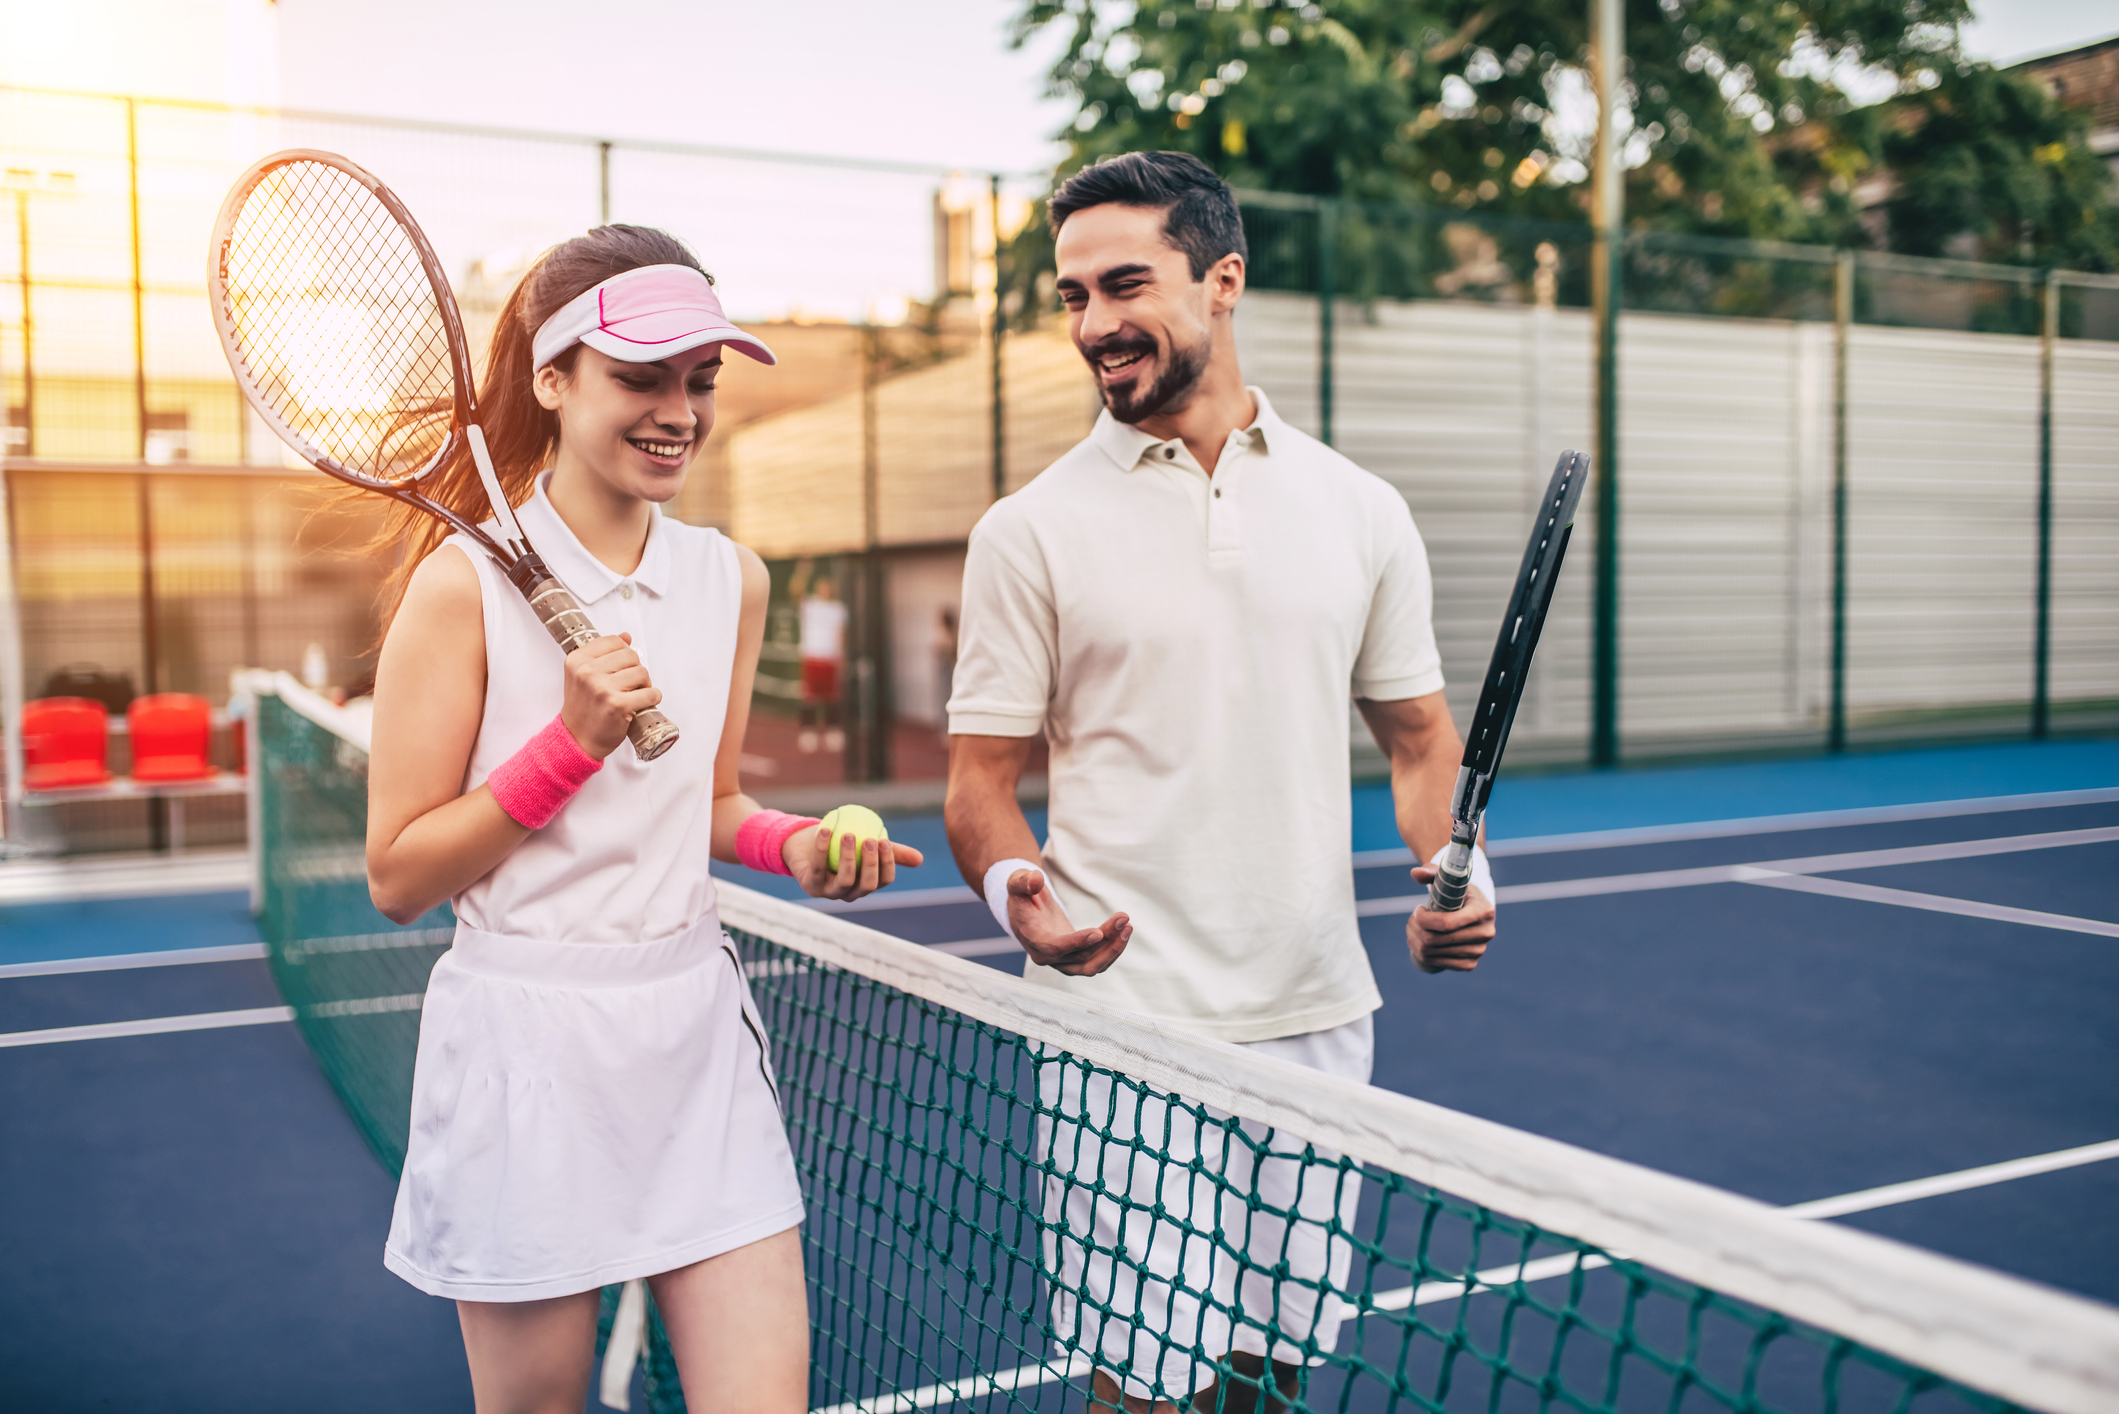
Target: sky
932	81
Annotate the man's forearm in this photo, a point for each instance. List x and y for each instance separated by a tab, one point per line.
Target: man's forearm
984	820
1421	742
1420	790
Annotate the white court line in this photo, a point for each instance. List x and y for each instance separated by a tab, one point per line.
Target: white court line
893	898
1863	1201
1940	903
1541	1269
150	1026
123	876
175	957
1777	871
977	947
1763	825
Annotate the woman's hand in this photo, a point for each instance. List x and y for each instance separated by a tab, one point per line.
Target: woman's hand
606	683
864	865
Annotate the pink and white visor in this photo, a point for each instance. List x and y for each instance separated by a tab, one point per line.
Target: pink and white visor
643	316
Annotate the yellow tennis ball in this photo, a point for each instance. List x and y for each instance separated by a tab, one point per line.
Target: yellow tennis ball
856	820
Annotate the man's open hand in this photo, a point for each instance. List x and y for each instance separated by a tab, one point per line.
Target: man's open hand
1449	942
1035	917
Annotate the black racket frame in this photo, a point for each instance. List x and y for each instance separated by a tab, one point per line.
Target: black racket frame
652	733
1506	673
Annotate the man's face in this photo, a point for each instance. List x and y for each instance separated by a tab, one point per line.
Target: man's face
1135	311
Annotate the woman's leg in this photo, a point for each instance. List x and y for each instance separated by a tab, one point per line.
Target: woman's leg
530	1357
739	1327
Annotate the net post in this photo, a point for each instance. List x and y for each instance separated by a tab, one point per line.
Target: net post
603	184
1842	321
2041	665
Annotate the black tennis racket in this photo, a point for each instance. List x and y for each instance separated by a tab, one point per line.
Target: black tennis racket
344	335
1505	674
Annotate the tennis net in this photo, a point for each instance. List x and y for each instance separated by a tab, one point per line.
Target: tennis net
985	1162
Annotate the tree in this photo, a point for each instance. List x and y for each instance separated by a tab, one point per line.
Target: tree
1739	116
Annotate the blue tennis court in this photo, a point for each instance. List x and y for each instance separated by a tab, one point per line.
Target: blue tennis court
1881	985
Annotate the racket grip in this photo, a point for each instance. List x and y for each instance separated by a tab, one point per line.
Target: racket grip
650	732
1453	878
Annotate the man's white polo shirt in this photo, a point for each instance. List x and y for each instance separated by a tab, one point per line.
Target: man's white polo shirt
1189	645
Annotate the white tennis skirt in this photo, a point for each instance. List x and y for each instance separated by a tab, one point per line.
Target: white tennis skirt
584	1114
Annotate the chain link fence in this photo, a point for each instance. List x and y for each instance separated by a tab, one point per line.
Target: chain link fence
1860	498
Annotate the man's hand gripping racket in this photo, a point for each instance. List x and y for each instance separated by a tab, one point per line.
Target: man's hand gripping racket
1505	674
339	323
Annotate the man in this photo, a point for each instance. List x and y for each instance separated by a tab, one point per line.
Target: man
1183	604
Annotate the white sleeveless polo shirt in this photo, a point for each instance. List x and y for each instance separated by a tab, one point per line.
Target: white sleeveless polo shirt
593	1100
626	860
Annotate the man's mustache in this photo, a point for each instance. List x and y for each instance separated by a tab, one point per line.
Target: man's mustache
1112	344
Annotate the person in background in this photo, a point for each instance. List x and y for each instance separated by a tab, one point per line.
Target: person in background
823	650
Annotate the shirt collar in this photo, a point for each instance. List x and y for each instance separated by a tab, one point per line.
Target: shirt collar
1126	445
585	576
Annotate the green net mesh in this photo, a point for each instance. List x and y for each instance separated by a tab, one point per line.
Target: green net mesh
979	1204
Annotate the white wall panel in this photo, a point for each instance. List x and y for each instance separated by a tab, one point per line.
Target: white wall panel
2085	620
1942	520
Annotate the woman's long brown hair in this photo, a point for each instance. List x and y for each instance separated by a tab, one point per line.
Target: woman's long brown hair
520	432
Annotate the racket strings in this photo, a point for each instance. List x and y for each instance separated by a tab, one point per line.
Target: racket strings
339	329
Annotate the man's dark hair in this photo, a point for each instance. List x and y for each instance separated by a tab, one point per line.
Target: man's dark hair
1199	210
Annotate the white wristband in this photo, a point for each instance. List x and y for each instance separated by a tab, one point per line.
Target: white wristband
997	890
1482	872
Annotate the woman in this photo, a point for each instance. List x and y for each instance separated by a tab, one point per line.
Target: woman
592	1101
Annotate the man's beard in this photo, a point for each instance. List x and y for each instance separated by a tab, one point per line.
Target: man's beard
1168	393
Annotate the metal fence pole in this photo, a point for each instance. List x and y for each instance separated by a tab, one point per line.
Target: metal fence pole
1000	332
603	184
1842	321
1327	297
29	331
1609	54
2041	666
150	634
868	723
11	688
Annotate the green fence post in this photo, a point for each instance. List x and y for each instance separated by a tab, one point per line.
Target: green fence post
2042	660
1608	208
1000	332
1327	297
1842	320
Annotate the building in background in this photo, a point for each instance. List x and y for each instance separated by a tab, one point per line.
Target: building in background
2086	77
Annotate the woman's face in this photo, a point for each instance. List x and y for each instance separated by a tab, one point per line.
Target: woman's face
633	426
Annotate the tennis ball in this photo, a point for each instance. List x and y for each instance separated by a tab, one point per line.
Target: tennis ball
856	820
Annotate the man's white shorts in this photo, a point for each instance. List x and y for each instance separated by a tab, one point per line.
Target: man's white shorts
1174	1235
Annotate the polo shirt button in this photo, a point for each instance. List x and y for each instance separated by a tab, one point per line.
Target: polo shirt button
1217	493
1170	454
625	591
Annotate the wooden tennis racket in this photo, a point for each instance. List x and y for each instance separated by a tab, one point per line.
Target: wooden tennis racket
343	333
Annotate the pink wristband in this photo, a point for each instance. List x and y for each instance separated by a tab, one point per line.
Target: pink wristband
761	840
536	781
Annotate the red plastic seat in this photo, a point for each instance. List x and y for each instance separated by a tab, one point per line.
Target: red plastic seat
65	742
170	732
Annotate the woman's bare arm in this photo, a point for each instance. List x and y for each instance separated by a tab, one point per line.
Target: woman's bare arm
427	839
